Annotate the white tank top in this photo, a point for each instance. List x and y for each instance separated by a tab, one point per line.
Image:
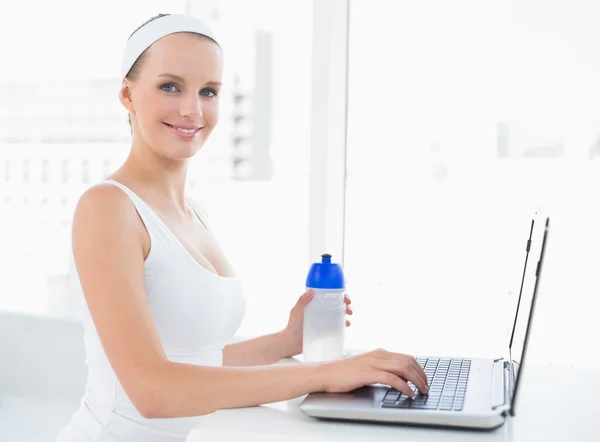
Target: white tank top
195	312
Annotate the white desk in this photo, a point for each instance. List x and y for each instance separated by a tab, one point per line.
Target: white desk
555	404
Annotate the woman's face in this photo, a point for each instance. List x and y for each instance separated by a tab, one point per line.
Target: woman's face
174	101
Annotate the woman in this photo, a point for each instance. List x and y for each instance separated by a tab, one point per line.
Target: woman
159	297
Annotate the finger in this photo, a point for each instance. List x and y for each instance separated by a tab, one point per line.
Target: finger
418	369
306	297
412	363
418	372
397	383
347	299
423	386
412	367
348	323
349	311
405	371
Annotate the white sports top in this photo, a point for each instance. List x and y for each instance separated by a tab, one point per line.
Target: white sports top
195	312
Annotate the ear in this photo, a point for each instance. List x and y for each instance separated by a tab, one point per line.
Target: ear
125	95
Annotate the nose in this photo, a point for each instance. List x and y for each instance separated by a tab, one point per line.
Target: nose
191	107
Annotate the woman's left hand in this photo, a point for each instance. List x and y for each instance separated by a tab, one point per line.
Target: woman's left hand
294	330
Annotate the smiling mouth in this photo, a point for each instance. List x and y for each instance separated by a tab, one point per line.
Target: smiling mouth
183	130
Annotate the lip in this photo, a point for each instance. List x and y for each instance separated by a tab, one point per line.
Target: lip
174	127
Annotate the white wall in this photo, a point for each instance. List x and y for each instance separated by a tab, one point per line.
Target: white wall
41	357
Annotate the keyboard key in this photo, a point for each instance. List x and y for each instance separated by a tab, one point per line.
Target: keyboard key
447	379
424	406
403	403
419	406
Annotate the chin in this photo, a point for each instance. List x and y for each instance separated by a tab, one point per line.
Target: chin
185	153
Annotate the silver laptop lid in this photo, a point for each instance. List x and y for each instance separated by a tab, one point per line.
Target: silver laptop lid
517	347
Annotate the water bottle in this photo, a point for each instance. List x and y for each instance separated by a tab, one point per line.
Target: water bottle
325	315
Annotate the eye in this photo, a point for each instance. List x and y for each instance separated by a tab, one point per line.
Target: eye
168	87
208	92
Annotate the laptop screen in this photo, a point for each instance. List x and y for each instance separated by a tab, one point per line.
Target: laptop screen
526	300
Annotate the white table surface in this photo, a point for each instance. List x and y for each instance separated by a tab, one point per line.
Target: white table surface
555	404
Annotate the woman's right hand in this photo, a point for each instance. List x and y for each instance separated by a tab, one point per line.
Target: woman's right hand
374	367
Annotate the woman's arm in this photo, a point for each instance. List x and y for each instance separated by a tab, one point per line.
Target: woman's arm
181	390
109	242
263	350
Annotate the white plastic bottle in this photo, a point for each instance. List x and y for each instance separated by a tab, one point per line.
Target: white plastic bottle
325	315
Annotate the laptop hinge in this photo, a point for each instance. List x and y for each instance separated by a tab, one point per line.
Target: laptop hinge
502	382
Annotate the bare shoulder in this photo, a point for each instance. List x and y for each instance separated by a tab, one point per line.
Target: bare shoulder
106	210
104	202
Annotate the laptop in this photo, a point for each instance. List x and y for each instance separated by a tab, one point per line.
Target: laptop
472	393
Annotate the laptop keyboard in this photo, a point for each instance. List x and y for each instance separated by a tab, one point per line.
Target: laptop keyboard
447	380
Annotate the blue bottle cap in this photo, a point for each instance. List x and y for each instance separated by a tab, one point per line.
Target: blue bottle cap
325	275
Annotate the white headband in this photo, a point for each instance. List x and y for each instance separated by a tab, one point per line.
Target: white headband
156	29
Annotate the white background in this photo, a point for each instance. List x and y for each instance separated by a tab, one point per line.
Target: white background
435	222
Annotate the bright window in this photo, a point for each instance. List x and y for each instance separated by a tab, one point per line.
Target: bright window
463	117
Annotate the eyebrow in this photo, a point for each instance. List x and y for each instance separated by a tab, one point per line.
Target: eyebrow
180	79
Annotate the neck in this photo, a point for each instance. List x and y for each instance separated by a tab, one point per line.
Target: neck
163	177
